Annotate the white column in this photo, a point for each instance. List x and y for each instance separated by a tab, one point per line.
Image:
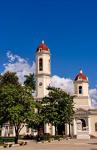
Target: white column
67	129
89	125
53	130
13	131
46	128
74	127
3	131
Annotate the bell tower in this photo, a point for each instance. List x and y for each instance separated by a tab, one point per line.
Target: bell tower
81	89
43	70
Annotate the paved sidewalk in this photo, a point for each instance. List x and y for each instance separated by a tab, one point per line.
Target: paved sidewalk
59	145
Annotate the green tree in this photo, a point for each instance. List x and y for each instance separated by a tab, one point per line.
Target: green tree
16	103
30	81
58	107
9	78
37	121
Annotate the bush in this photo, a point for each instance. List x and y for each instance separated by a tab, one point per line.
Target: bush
44	137
28	137
48	137
57	137
7	139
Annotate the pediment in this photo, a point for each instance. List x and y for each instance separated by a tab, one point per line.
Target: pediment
81	111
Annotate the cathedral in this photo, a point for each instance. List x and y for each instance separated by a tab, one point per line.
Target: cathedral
84	125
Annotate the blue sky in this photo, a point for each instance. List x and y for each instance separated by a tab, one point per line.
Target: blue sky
69	27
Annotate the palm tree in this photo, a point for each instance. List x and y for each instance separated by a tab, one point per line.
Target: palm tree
30	81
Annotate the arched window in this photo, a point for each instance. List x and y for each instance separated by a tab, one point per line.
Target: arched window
80	90
40	64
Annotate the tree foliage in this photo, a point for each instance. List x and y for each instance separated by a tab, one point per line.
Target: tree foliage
30	81
9	78
58	107
37	121
16	102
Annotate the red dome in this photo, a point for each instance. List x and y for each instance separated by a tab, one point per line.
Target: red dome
81	76
43	46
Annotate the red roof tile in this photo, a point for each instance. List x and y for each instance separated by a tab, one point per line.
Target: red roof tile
81	76
43	46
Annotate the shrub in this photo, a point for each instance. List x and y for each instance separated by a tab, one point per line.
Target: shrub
7	139
44	137
57	137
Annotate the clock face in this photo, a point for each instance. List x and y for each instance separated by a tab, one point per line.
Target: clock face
40	83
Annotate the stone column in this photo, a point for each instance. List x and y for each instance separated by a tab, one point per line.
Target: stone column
3	131
46	128
74	127
13	131
67	129
53	130
89	125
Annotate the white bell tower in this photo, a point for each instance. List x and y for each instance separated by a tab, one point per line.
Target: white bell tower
43	70
81	89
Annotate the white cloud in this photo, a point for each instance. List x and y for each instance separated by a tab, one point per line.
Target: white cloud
64	83
19	65
68	86
93	96
22	67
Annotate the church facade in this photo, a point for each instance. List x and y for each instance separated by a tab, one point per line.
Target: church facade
84	125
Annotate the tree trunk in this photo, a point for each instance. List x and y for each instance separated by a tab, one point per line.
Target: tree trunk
69	131
17	136
56	130
38	135
38	129
64	129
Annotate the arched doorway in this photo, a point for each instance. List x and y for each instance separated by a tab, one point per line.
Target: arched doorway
83	124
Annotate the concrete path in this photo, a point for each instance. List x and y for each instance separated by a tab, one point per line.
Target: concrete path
59	145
